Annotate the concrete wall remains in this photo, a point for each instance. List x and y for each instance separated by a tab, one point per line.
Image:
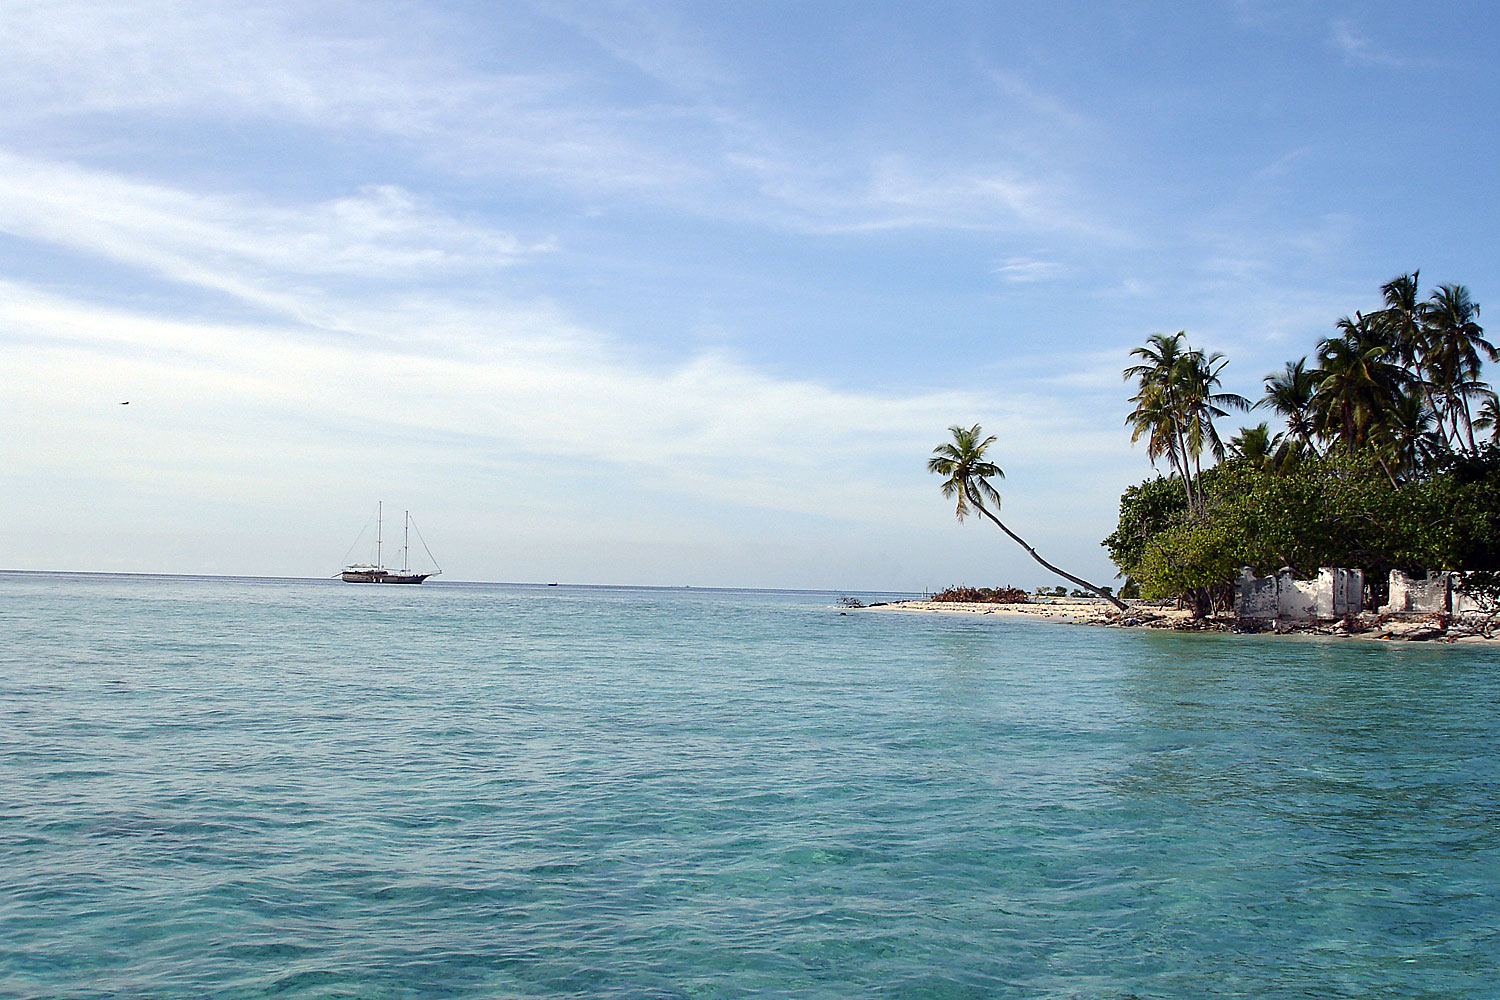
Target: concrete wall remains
1255	596
1463	602
1410	595
1296	600
1334	594
1341	592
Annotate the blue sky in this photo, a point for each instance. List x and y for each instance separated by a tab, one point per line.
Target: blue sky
674	293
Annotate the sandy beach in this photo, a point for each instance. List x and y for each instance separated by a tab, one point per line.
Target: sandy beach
1467	629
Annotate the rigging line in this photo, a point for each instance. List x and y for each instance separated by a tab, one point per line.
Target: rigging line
357	541
425	548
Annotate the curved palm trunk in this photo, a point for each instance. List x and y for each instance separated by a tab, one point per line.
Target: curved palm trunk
1388	473
1120	605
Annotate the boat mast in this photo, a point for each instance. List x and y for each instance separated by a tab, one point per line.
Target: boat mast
379	531
406	542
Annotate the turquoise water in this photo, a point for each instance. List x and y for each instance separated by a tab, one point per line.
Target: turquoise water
238	788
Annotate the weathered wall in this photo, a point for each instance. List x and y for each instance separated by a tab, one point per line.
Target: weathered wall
1334	594
1341	592
1296	600
1255	596
1410	595
1463	602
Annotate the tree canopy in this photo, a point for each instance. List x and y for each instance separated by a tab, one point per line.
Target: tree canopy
1388	456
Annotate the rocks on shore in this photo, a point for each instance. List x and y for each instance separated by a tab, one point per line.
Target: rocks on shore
1441	627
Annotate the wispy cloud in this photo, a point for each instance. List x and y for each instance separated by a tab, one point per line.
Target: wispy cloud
642	38
710	427
245	247
425	374
1026	270
1358	49
558	127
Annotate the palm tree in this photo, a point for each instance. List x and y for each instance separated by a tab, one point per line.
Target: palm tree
1291	395
967	474
1158	406
1176	405
1201	405
1489	416
1258	447
1403	320
1357	386
1410	434
1455	347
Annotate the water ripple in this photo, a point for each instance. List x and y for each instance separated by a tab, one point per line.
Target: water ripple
251	789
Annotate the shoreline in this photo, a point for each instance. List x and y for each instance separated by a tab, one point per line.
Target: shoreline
1368	626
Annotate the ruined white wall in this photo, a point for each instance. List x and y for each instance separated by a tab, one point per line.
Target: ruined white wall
1463	602
1410	595
1335	593
1296	600
1340	592
1255	596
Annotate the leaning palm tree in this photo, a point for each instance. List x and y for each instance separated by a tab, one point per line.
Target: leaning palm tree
967	474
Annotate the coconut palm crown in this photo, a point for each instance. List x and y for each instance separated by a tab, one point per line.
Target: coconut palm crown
967	474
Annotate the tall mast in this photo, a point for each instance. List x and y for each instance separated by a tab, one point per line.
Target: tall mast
406	542
379	531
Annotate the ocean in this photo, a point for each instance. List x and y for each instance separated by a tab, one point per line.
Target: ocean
290	788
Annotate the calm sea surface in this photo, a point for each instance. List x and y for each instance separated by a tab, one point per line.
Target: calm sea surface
238	788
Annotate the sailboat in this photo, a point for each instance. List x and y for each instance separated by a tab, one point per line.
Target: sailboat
377	572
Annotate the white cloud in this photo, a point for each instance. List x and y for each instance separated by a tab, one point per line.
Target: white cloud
251	250
558	126
365	369
494	396
226	397
1357	48
1025	270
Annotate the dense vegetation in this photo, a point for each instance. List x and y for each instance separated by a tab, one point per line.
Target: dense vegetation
1387	458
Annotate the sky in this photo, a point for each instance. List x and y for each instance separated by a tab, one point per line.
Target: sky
674	293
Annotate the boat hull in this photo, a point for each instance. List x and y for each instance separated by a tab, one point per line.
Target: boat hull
381	576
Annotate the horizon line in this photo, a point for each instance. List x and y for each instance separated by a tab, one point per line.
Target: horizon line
441	583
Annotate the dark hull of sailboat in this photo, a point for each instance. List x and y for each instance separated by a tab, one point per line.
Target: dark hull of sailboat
381	576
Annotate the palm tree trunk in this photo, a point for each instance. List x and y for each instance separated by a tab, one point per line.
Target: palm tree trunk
1120	605
1180	466
1455	440
1181	461
1425	386
1198	484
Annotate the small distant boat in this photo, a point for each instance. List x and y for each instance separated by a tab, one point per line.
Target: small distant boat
377	572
